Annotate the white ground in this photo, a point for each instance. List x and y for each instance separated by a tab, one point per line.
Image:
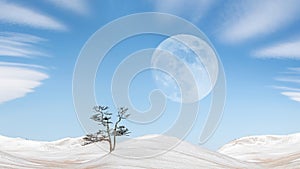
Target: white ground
149	152
270	151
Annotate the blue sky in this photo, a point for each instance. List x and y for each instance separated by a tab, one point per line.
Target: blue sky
258	43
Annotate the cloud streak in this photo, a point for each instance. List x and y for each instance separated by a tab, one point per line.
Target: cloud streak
292	92
289	80
294	69
285	50
17	80
16	14
286	88
76	6
20	45
292	95
253	18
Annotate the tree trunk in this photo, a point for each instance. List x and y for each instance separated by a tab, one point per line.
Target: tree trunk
109	138
115	140
115	132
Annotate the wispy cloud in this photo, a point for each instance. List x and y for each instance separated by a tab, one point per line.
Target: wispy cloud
292	95
286	88
192	9
20	45
285	50
21	65
16	14
253	18
292	92
77	6
289	79
294	69
17	80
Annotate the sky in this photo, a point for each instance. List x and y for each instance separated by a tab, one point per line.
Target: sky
257	43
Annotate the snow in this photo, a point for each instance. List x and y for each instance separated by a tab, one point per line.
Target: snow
151	151
270	151
18	153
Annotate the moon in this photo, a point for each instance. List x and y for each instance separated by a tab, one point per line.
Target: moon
185	68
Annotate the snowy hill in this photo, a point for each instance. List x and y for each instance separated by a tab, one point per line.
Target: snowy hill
183	156
281	152
270	151
17	153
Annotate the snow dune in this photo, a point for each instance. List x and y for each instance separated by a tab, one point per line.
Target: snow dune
149	152
146	152
17	153
270	151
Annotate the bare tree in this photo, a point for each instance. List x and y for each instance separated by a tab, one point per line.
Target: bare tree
103	117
